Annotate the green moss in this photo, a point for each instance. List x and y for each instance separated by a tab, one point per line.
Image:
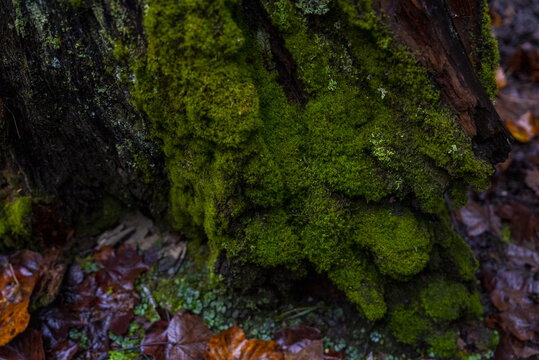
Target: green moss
408	325
445	345
363	286
15	220
278	183
489	56
15	217
446	300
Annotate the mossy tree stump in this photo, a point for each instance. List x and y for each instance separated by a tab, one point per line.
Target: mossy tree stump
334	133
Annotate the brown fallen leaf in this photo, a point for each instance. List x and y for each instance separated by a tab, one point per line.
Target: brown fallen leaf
184	338
231	344
524	222
478	219
532	180
525	60
515	292
525	128
301	342
26	346
312	350
18	276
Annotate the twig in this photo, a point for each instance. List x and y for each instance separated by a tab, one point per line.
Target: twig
13	274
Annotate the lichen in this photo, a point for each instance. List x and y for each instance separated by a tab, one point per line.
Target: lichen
317	7
277	182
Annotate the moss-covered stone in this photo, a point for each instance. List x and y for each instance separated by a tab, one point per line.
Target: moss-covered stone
347	168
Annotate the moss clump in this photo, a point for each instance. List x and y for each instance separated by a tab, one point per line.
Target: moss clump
445	345
489	55
351	180
15	217
15	220
408	325
447	300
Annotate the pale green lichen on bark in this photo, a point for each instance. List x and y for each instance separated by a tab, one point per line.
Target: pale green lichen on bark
358	173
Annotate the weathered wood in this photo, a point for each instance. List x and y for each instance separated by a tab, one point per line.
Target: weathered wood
443	34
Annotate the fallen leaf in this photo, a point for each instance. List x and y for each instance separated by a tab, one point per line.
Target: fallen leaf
524	222
231	344
526	60
301	342
532	180
525	128
97	304
184	338
501	79
26	346
121	266
515	292
478	219
311	350
51	275
18	276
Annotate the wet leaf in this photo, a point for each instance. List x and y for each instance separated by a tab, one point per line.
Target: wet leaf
121	267
515	292
184	338
97	304
26	346
478	219
231	344
18	276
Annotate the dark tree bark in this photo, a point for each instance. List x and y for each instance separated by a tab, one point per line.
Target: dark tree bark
66	122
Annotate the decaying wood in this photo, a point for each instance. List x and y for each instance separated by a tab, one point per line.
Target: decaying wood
441	34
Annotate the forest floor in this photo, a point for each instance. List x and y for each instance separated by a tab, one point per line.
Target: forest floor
127	296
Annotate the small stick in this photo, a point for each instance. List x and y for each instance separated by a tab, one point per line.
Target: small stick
13	274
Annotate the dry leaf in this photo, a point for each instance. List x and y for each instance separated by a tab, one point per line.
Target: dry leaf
26	346
231	344
18	276
478	219
184	338
525	128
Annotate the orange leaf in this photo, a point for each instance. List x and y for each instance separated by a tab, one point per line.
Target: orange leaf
524	128
231	344
18	276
